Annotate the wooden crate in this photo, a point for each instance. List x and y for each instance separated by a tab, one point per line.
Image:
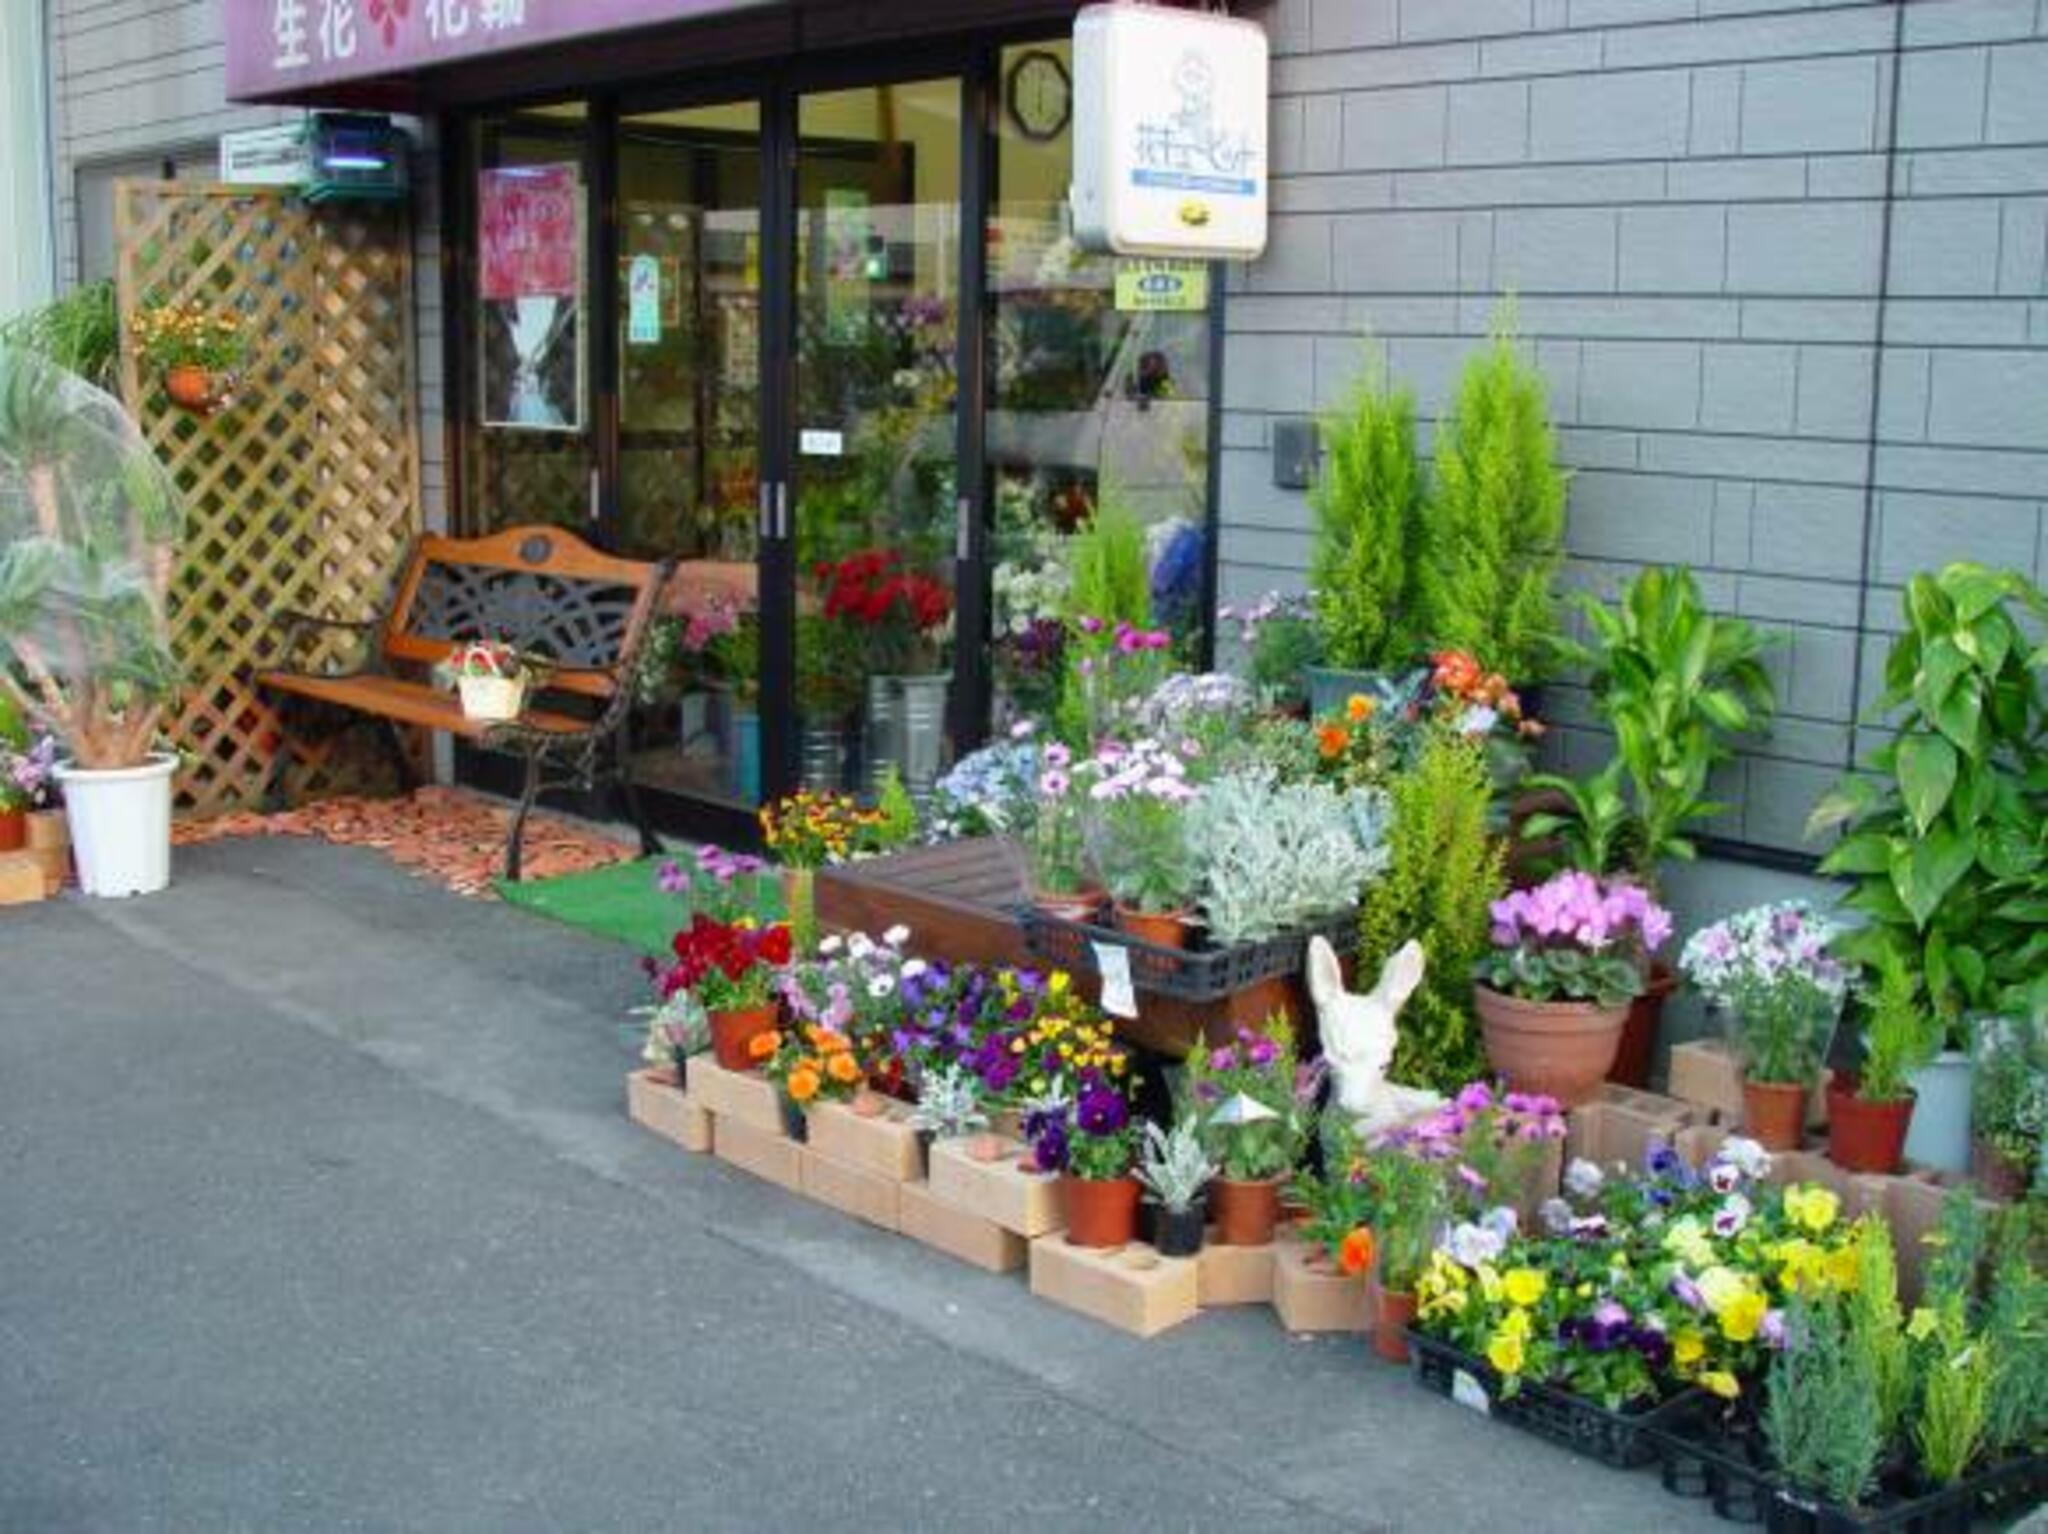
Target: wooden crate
1131	1288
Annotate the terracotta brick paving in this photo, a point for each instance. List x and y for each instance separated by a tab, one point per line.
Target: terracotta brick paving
445	834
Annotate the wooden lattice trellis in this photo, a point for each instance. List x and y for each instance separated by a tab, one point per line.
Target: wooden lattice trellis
304	492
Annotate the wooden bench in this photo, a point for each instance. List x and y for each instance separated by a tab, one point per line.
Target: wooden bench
543	591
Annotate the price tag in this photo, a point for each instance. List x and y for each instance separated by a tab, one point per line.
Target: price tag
1119	999
1467	1391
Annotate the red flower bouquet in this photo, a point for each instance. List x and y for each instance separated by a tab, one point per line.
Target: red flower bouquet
729	966
899	615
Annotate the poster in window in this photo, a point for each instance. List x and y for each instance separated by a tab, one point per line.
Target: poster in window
529	282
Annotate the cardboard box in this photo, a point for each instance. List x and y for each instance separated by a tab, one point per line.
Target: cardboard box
1131	1288
21	879
740	1096
1234	1275
1622	1123
1028	1203
885	1145
668	1111
976	1241
1312	1296
851	1190
768	1154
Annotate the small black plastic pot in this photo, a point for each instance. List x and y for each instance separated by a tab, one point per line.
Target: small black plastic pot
795	1123
1178	1232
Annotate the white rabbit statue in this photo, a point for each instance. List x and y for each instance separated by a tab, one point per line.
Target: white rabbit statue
1358	1037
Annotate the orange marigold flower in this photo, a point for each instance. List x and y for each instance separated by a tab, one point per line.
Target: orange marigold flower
1331	739
762	1045
1358	708
803	1084
1355	1251
843	1068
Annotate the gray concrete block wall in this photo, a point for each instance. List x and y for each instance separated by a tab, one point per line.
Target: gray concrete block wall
135	82
1687	199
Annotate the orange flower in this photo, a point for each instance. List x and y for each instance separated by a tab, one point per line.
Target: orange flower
1358	708
832	1043
1331	739
843	1068
762	1045
1355	1252
803	1083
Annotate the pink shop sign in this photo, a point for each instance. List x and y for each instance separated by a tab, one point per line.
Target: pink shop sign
528	245
277	47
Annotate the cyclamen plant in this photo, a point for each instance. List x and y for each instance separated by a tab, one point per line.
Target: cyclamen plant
1574	938
1770	970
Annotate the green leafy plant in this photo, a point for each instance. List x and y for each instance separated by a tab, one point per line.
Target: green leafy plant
1877	1326
2016	1325
1955	1395
1899	1034
1339	1199
80	332
1173	1166
89	529
2009	1090
1444	870
1257	1065
1493	533
1410	1204
1109	576
1368	514
896	813
1675	683
1822	1417
1271	857
1948	839
1593	829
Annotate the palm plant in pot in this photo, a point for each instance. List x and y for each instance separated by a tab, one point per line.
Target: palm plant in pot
1243	1095
1868	1112
1175	1169
89	529
1567	959
1677	685
1770	972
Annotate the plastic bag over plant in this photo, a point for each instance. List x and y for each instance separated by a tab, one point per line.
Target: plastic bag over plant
89	530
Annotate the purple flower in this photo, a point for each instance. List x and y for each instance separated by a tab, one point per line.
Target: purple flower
1687	1293
1475	1097
1263	1052
1772	1329
1102	1112
1610	1312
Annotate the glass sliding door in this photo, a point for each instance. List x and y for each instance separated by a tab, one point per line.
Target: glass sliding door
688	328
875	487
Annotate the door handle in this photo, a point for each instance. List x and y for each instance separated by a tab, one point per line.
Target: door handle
764	522
782	509
963	510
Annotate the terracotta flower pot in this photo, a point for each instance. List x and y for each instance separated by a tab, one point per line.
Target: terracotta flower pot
191	387
1245	1212
1076	905
1774	1114
1162	929
1561	1048
1865	1136
1392	1311
1639	1034
732	1031
1998	1174
1101	1212
13	830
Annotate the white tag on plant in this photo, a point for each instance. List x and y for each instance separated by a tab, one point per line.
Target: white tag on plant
1119	998
1467	1391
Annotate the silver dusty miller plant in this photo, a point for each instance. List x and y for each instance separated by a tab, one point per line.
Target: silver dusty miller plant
1274	856
948	1103
1173	1167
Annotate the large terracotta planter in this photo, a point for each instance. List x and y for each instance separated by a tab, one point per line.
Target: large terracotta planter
1866	1136
1631	1066
1392	1313
1245	1213
1997	1173
732	1031
1774	1114
1101	1212
1559	1048
1162	929
13	830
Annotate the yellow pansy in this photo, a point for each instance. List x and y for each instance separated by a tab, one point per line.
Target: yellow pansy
1812	1206
1843	1269
1743	1316
1584	1291
1515	1324
1687	1239
1722	1383
1505	1354
1489	1282
1688	1347
1056	983
1524	1286
1720	1287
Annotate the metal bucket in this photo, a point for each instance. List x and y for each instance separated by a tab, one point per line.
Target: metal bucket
906	729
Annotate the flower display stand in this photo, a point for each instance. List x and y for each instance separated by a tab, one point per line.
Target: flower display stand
884	1144
735	1096
768	1154
1027	1203
1707	1074
1234	1275
959	1233
1621	1123
865	1195
668	1111
1312	1296
1131	1287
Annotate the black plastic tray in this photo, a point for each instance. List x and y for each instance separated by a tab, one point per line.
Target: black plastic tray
1190	974
1621	1439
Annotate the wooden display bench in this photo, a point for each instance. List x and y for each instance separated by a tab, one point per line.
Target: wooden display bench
958	901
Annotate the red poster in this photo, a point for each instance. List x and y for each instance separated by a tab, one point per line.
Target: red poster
528	245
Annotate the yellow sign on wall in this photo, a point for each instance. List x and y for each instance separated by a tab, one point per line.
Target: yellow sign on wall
1162	287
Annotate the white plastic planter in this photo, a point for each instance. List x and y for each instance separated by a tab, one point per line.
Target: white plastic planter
1940	1132
120	825
494	698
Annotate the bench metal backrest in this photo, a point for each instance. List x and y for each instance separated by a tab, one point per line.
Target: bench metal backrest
540	589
